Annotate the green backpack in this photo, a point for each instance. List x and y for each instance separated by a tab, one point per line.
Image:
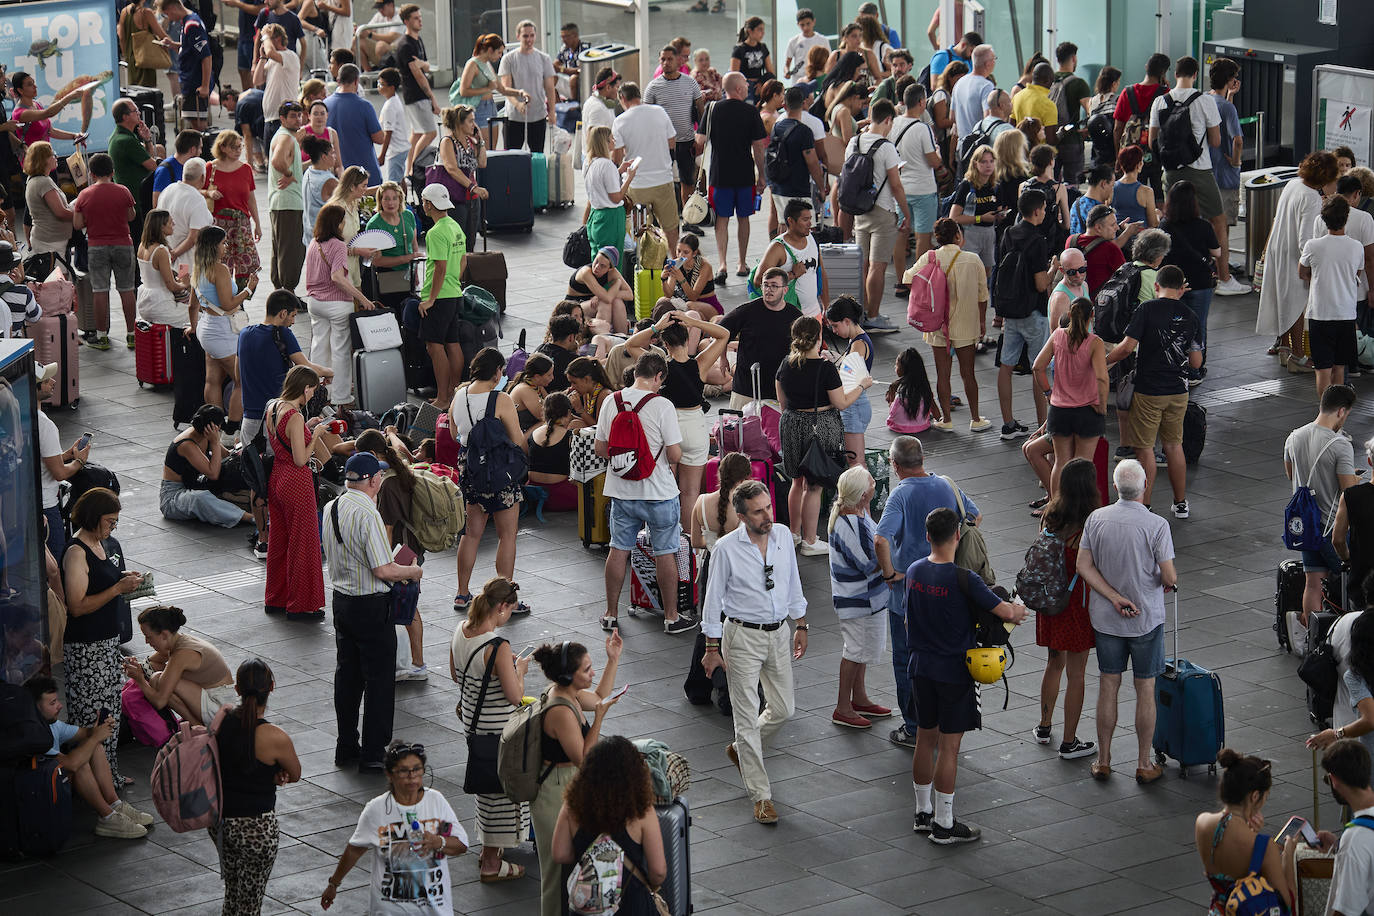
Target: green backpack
437	511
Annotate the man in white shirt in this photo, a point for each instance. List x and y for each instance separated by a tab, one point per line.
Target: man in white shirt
1352	879
391	152
1206	121
971	92
752	590
599	109
190	213
876	230
1360	227
58	465
915	143
280	68
794	65
646	133
652	501
384	28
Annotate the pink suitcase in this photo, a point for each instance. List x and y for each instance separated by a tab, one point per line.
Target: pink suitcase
57	340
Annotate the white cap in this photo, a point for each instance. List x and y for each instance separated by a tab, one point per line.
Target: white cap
437	195
45	371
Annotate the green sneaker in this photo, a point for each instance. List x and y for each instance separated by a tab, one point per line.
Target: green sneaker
100	343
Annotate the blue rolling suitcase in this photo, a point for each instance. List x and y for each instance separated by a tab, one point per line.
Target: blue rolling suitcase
675	821
510	183
1190	725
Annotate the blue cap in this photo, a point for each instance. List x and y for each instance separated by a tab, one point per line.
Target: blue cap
610	253
363	465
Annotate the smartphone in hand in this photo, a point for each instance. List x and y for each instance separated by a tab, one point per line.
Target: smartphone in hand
525	653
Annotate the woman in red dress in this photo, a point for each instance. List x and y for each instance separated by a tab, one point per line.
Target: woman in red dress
230	185
295	580
1069	634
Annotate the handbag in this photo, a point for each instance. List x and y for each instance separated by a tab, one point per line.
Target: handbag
481	777
76	164
403	601
972	552
820	467
148	54
437	174
696	209
577	250
238	320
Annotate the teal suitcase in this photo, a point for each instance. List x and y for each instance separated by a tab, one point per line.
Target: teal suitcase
539	180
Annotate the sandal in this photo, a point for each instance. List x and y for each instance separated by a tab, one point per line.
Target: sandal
1101	772
508	871
461	602
901	289
1040	503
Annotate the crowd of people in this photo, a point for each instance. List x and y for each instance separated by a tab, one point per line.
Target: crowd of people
1078	232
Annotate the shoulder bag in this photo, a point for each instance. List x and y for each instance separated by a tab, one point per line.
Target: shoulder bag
972	552
820	467
480	777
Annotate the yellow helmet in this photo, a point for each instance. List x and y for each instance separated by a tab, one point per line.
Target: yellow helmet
986	664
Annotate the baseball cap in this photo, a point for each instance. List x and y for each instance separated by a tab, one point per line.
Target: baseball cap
437	195
363	465
44	371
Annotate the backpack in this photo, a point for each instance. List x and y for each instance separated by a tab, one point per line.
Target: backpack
88	478
1178	146
1116	302
1302	517
186	785
22	731
437	511
981	136
858	190
777	166
520	754
972	552
577	250
1066	115
627	446
1137	129
597	879
477	306
492	461
1043	583
1253	895
927	307
1012	289
1101	129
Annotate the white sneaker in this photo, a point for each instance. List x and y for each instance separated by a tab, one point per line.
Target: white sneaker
1232	287
816	548
119	827
414	673
141	818
796	539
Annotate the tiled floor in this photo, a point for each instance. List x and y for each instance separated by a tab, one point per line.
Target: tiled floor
1054	841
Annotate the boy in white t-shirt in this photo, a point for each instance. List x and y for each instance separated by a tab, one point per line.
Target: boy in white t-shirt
1332	264
392	151
795	64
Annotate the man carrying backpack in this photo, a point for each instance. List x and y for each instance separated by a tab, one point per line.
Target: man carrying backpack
791	163
1132	116
996	121
1021	300
871	162
1071	97
360	565
638	433
1184	124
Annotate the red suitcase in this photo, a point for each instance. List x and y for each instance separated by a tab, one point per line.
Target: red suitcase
152	354
57	340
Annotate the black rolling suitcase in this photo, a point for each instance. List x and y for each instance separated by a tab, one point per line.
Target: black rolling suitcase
150	104
188	377
1290	580
507	178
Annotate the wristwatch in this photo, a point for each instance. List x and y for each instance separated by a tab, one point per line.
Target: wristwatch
1340	733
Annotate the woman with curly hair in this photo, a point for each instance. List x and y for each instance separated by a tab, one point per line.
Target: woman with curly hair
612	794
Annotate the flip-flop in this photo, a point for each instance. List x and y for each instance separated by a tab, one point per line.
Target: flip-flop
508	871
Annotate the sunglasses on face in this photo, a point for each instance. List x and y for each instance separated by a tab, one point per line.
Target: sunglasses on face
1074	271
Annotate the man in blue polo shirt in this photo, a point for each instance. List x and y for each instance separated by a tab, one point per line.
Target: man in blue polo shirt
188	147
902	541
355	120
195	64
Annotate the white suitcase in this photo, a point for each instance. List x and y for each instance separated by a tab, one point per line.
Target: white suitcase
561	180
843	270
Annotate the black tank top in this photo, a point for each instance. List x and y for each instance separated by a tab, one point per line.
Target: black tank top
102	623
180	465
1359	509
553	748
634	900
551	459
577	290
250	786
682	385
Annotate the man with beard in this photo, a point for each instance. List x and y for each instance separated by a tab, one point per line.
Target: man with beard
1352	882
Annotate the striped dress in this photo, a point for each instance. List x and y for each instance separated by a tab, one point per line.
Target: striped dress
500	822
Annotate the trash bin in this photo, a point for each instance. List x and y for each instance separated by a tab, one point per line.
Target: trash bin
624	58
1262	190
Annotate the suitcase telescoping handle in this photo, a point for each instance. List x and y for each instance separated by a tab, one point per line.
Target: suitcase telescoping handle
1174	589
758	396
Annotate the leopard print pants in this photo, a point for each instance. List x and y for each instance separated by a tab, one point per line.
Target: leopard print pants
247	851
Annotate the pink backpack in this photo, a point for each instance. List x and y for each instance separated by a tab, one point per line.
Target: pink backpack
186	777
148	725
927	308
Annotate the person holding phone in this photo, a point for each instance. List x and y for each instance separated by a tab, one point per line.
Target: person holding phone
1226	839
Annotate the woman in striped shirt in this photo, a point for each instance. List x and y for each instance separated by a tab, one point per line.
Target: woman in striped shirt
860	595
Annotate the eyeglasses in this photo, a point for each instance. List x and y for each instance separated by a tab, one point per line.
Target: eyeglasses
1074	271
768	576
775	286
409	771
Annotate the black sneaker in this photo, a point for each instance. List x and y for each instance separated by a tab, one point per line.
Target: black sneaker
1181	509
1042	734
959	833
1075	749
925	820
260	550
1014	430
1123	452
1161	459
900	736
683	624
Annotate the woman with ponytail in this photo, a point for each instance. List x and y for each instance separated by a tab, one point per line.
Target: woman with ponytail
713	516
189	676
1078	400
501	823
1226	839
550	448
752	57
860	596
254	758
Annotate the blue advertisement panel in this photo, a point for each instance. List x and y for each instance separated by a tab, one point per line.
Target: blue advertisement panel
65	44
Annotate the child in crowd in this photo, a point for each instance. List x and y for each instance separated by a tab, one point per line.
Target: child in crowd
799	47
912	402
860	596
1331	265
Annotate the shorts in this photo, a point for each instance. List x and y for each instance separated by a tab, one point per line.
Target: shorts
663	516
1230	204
923	209
938	339
420	117
662	200
1324	560
1146	653
212	698
865	638
728	202
217	336
193	106
696	444
245	51
1332	342
440	324
1026	335
858	415
1204	183
876	233
1155	415
780	202
484	112
951	708
107	260
685	155
982	241
1083	422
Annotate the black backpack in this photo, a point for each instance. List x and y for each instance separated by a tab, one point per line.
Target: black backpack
1178	146
22	732
1014	289
978	138
1116	302
777	165
858	191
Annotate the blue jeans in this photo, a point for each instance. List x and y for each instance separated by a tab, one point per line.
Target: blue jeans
901	660
1200	301
395	168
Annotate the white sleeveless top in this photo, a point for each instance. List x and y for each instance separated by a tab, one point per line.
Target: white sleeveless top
808	286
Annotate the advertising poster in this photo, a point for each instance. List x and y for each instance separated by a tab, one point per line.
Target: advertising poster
65	44
1341	123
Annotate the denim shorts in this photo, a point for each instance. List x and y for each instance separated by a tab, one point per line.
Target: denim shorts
484	112
108	261
923	208
1026	334
1146	653
858	415
663	516
1324	560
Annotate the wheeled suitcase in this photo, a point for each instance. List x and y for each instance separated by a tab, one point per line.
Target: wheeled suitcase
1288	588
1190	725
152	354
844	270
593	512
475	337
675	822
539	181
379	379
509	183
648	290
486	269
644	588
151	108
57	340
188	377
561	181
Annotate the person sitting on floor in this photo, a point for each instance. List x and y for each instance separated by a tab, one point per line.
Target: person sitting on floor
189	676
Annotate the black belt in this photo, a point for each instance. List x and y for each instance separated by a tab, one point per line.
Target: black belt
765	627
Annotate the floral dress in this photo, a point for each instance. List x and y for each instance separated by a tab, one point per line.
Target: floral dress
295	580
233	216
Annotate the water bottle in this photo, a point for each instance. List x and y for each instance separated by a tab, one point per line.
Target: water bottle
415	834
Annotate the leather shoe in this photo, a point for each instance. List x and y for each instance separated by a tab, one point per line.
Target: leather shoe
733	755
1144	776
764	812
371	766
